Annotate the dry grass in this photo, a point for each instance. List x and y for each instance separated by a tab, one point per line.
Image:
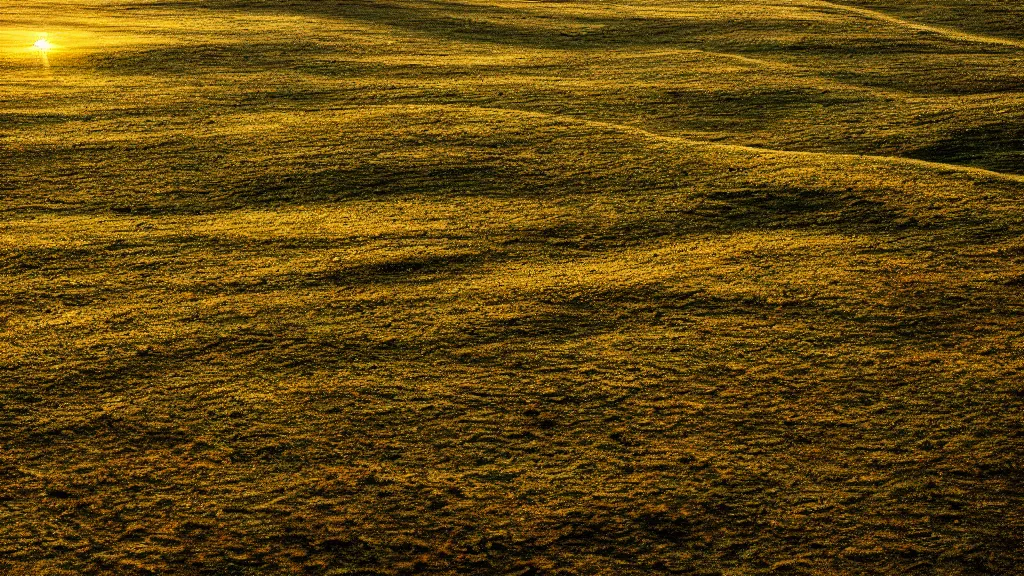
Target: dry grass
512	287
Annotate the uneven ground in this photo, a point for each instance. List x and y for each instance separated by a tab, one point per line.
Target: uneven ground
495	286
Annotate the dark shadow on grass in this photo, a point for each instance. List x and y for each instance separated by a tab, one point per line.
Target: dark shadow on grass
997	146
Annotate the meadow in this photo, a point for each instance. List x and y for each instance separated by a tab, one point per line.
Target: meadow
389	287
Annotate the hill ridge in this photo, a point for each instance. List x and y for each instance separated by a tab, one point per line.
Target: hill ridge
708	143
951	33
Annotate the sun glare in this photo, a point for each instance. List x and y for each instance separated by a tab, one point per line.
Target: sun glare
43	44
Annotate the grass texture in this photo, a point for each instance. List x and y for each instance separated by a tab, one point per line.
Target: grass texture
512	287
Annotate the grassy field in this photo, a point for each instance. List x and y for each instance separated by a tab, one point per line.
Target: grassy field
512	287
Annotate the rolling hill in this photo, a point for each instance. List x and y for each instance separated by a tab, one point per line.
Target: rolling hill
512	287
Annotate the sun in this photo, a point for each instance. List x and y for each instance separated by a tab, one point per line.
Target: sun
43	44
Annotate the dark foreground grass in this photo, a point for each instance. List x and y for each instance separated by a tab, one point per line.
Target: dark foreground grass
503	287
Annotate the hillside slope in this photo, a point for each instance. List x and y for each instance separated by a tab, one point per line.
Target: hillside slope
495	286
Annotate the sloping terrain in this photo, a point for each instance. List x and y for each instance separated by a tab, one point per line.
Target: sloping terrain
512	287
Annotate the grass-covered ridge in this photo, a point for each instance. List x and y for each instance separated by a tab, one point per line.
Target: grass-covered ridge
511	287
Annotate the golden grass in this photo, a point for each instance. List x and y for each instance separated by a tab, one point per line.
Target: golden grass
511	287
